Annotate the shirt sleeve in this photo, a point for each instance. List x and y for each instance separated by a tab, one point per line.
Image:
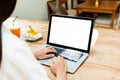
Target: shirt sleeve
19	63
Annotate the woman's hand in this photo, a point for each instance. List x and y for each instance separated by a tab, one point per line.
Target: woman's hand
43	53
58	68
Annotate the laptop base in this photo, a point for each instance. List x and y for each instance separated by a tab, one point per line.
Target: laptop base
72	66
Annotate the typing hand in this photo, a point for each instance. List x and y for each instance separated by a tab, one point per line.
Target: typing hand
47	52
59	68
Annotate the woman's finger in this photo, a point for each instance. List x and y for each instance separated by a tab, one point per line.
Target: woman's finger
51	62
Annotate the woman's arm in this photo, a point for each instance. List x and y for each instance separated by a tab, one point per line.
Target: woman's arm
58	68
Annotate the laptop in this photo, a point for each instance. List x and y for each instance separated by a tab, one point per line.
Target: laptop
71	37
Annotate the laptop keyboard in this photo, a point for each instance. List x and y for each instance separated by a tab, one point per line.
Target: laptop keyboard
59	51
74	56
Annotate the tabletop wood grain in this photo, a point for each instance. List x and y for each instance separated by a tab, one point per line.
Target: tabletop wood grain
103	62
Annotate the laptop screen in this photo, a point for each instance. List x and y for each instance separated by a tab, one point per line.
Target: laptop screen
70	32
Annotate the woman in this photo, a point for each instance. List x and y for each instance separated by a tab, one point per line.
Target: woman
17	61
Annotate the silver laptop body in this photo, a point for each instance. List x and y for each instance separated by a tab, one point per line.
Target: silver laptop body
72	35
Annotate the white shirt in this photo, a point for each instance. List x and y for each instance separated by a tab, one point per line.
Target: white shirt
18	61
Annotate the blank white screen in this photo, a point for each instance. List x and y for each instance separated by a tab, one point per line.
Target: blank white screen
70	32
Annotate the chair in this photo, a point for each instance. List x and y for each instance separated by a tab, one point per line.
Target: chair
118	21
78	2
62	7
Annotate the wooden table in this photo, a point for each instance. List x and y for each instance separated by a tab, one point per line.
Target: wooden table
103	62
106	6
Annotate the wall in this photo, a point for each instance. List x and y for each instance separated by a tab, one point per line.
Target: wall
31	9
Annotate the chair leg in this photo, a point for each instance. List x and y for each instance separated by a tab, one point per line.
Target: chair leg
118	20
49	10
